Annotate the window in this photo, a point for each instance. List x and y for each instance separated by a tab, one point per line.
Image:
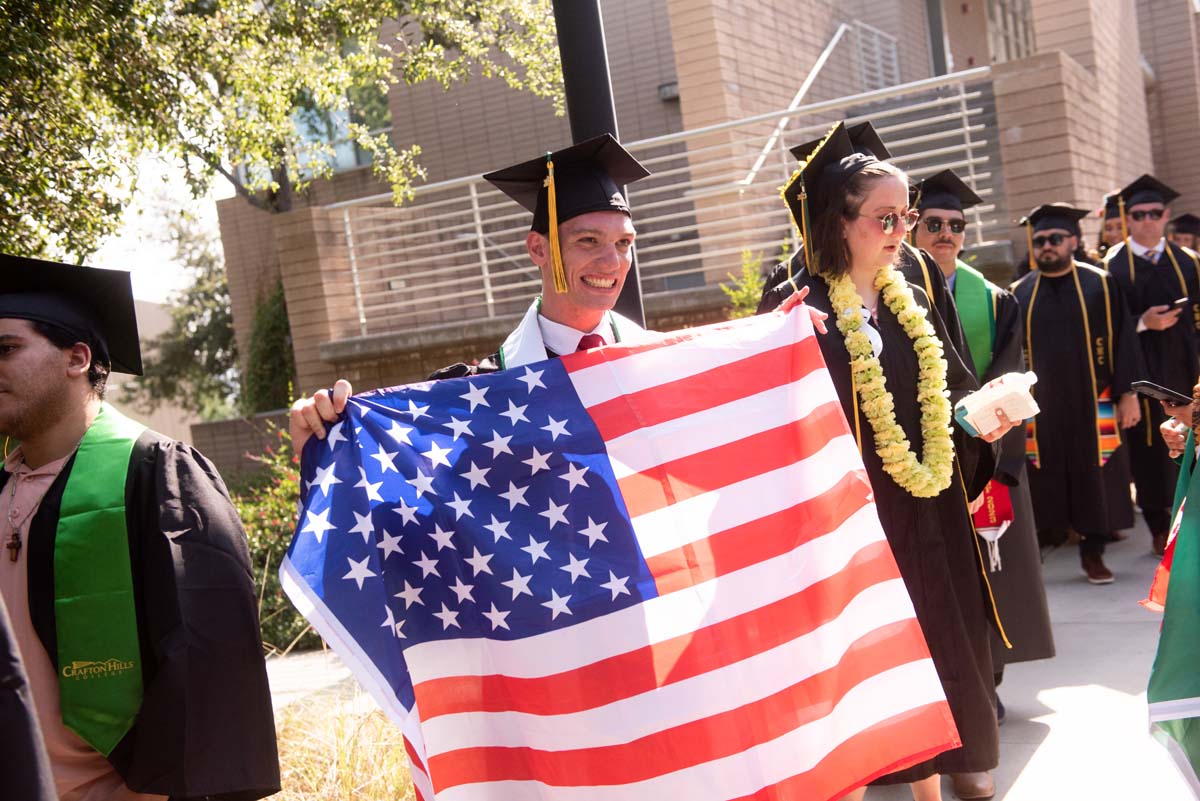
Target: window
1010	29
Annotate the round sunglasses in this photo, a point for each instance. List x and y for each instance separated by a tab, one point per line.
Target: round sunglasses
1154	214
889	222
1054	240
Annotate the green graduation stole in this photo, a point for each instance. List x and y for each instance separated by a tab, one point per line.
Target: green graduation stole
100	673
977	313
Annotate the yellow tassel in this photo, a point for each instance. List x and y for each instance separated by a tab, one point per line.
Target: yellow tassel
1029	240
1125	236
560	274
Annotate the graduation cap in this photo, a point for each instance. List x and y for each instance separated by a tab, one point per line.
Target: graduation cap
1147	189
945	190
863	138
93	304
827	166
1112	205
567	183
1186	224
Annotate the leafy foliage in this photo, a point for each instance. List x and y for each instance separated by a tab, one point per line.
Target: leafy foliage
745	289
267	506
271	368
231	88
194	363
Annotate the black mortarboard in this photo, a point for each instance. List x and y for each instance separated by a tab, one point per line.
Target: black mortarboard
1054	215
1112	205
945	190
1186	224
87	302
863	138
587	177
1147	189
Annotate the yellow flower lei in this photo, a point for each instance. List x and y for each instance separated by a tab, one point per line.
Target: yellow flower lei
922	479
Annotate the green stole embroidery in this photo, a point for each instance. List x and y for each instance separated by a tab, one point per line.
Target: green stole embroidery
978	315
100	675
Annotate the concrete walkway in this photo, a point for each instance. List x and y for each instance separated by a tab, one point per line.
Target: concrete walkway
1076	728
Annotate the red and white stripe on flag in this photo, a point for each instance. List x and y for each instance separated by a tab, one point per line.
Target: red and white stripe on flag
781	659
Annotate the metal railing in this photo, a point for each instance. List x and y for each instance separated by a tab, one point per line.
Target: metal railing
458	250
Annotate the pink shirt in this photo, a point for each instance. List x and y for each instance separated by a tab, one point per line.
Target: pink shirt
80	773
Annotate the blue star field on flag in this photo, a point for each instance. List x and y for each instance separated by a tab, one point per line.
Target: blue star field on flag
472	507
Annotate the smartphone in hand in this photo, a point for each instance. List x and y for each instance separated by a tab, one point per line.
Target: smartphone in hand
1152	390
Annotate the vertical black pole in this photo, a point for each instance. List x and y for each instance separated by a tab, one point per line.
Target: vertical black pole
934	15
590	107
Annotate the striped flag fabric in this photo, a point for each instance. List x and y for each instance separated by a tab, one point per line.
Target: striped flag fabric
651	570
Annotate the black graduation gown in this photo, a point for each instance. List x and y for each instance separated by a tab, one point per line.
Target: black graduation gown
25	773
206	729
1069	488
1018	587
1170	358
932	538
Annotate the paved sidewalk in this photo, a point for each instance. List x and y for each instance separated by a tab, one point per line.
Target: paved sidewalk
1076	728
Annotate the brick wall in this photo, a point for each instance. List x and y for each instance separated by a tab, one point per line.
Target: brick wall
231	444
1168	37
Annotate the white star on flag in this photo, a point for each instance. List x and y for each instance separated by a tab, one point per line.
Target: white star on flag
556	427
428	565
474	396
538	461
616	585
499	529
409	513
423	484
411	595
479	562
557	605
447	617
515	413
317	523
359	570
389	544
460	506
477	475
594	531
496	618
390	622
364	526
519	584
325	479
536	549
515	496
499	444
442	538
372	489
459	427
574	476
532	379
437	455
400	433
416	410
555	514
577	568
387	461
336	435
462	590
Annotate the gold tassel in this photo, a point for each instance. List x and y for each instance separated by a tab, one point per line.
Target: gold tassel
1029	240
1125	236
560	274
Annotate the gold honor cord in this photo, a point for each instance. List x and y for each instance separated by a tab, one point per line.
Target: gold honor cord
1029	241
1125	235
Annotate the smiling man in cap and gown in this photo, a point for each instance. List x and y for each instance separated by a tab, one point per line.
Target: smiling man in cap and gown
1079	340
1153	274
125	568
991	321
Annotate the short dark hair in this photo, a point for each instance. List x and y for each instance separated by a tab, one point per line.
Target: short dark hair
100	367
830	251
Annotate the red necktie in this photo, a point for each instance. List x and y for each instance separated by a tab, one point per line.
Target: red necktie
588	341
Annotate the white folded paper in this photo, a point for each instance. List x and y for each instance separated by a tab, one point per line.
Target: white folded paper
1009	393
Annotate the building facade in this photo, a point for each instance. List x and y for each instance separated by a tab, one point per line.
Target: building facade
1032	100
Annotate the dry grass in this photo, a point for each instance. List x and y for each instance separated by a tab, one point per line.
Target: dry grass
334	749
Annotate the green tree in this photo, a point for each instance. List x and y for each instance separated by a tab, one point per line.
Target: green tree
194	362
271	368
745	289
232	88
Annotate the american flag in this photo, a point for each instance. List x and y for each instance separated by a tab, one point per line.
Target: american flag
645	571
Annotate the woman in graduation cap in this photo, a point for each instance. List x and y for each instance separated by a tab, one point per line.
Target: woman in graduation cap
125	568
897	374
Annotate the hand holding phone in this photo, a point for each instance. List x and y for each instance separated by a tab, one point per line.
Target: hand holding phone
1152	390
1179	304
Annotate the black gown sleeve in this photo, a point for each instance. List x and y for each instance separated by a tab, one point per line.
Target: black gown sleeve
776	288
206	729
1008	356
26	772
1129	363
